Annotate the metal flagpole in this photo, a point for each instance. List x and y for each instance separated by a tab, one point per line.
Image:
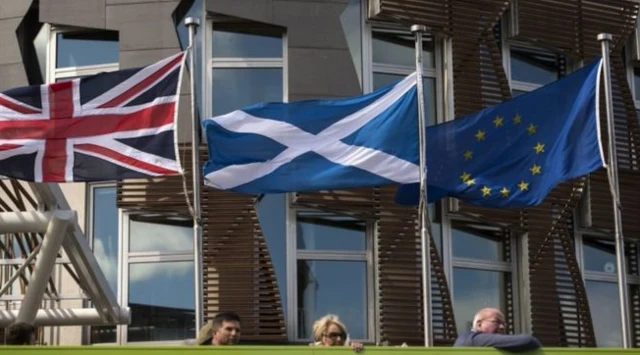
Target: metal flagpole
418	30
612	169
192	24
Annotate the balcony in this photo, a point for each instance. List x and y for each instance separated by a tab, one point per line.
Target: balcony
289	350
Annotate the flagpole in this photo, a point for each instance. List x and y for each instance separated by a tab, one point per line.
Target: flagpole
612	169
192	24
418	31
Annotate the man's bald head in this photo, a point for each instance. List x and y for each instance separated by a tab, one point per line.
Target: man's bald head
489	320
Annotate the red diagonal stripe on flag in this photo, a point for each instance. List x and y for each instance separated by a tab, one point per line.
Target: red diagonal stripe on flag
125	159
142	85
16	107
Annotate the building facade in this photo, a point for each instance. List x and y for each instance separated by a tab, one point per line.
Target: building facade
281	261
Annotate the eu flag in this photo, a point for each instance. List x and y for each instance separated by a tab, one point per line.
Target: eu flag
514	153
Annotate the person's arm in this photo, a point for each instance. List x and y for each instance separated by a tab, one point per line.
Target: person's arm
516	342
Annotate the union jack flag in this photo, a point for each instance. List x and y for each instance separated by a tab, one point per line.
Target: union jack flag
109	126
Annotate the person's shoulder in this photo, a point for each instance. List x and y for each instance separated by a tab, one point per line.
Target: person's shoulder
464	339
515	342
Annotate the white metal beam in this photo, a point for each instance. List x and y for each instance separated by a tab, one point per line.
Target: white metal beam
90	276
50	246
24	222
64	317
18	272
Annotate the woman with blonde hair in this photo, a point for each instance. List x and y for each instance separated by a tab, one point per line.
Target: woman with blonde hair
330	331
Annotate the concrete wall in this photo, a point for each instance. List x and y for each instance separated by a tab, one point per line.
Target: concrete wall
12	72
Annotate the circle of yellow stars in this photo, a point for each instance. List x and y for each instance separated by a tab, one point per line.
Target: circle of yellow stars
481	135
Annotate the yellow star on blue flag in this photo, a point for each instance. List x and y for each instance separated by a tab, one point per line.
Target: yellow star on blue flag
549	136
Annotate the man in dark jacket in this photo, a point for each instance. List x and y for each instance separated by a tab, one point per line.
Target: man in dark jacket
488	330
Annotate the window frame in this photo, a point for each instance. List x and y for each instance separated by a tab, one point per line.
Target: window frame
596	276
89	234
512	267
294	254
631	65
54	73
127	259
237	63
369	67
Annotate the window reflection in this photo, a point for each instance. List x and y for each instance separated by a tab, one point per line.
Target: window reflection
429	84
351	21
474	290
636	83
533	66
323	231
337	287
161	298
435	215
600	255
159	237
272	217
237	88
399	49
475	243
247	43
105	248
604	305
105	233
76	49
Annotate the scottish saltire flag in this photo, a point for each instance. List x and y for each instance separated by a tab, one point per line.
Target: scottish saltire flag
315	145
109	126
513	154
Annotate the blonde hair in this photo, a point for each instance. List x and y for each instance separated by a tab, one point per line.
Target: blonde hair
321	325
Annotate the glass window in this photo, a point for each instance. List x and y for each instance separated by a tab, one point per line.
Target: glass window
272	216
161	299
435	216
636	83
332	272
600	255
473	243
247	68
234	88
105	233
533	66
393	58
336	287
601	284
399	49
474	290
75	49
604	305
351	21
156	237
105	237
247	43
321	231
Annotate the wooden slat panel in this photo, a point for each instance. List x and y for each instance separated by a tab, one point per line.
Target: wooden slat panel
399	268
238	273
560	311
600	195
